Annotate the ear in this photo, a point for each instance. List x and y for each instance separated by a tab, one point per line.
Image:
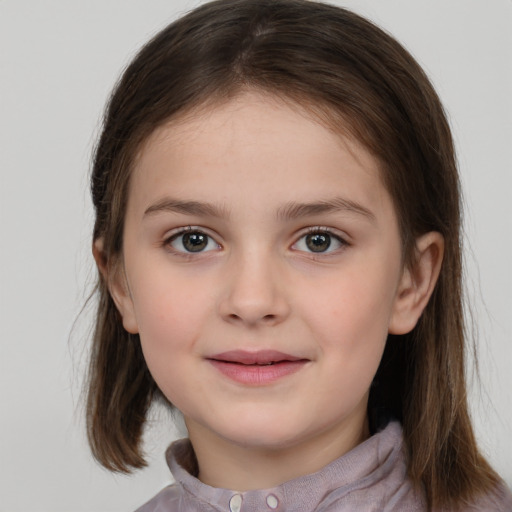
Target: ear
417	283
117	284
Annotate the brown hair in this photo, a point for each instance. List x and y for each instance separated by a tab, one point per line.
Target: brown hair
344	68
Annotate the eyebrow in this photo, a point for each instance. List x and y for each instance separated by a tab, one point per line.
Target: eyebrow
291	210
186	207
295	210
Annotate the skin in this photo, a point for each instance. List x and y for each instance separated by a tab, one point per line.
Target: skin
258	286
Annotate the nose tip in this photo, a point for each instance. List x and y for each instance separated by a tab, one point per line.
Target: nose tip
265	310
254	295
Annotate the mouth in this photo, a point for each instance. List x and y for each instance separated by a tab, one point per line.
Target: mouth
256	368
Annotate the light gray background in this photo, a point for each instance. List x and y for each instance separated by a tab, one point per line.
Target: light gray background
58	62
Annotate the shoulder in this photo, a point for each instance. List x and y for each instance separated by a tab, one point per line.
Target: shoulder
167	500
498	501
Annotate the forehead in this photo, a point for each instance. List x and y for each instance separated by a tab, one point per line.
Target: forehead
259	141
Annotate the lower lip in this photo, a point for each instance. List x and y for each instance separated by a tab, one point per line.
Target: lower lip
257	375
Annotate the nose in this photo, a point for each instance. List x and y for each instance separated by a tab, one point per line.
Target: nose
254	291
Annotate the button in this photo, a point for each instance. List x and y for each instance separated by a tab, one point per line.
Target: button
272	501
235	503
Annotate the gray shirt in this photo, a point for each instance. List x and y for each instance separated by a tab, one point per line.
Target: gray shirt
371	477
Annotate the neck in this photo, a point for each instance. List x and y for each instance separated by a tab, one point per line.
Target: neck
228	465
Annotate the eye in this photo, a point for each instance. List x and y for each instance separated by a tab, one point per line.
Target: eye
319	241
191	241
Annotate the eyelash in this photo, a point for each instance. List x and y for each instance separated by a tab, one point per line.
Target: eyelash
189	230
315	230
323	231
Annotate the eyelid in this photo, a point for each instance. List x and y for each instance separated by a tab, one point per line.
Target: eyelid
172	233
175	233
341	237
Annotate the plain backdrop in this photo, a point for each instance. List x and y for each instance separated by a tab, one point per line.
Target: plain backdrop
58	61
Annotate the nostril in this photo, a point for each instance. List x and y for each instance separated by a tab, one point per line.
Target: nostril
266	318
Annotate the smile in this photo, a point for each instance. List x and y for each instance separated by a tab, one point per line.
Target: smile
256	368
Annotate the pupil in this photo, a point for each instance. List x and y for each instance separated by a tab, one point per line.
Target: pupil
195	242
318	242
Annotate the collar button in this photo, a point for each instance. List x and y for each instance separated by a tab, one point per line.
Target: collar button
235	503
272	501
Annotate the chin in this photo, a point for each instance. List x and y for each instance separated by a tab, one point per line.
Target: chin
272	435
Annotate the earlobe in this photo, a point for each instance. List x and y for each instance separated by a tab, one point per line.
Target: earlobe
115	279
417	283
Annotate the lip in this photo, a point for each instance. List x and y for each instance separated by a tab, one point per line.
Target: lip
256	368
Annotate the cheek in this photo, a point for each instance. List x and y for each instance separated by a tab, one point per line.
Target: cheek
170	320
350	318
168	332
354	309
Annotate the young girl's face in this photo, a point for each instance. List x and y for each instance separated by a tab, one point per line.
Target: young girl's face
262	269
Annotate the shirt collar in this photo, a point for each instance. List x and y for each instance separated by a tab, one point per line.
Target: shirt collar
373	460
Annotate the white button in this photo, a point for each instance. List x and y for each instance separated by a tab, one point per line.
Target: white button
235	503
272	501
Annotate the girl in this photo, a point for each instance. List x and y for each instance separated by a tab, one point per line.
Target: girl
278	239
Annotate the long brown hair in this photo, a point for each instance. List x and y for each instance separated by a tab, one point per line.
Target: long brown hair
353	76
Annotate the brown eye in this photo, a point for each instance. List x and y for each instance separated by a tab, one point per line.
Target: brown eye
192	241
195	242
318	242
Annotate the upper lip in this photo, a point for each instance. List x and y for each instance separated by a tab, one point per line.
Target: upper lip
257	357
